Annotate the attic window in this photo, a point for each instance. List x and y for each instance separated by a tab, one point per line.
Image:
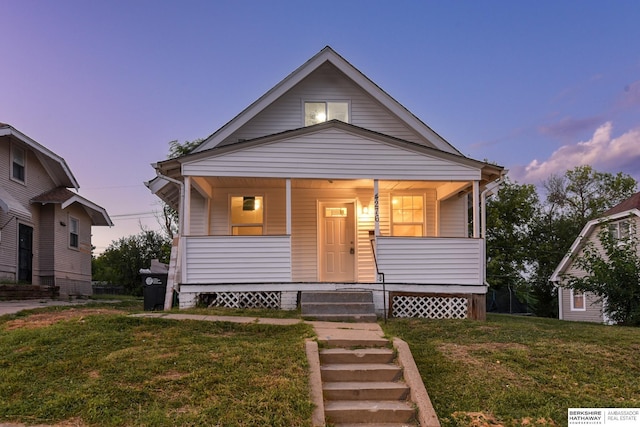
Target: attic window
18	164
318	112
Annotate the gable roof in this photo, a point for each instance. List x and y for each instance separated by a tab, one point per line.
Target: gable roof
326	55
55	165
628	207
66	198
632	202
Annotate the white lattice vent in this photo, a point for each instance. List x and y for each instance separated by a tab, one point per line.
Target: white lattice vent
430	307
244	299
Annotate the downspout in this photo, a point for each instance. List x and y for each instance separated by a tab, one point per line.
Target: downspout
487	192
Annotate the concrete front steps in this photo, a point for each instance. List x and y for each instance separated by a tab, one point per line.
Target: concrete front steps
364	386
340	306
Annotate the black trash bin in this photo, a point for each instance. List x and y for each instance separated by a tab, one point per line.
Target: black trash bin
154	288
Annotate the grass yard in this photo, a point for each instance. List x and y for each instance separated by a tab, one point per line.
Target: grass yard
93	365
96	366
520	370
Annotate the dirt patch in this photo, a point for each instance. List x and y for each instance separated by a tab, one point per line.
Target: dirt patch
480	419
485	358
41	320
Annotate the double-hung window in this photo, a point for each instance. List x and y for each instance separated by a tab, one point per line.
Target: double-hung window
74	233
407	216
18	163
578	301
247	215
619	230
322	111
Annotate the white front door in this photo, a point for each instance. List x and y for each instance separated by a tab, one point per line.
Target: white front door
336	242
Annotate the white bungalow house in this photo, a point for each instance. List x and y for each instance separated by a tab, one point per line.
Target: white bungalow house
620	220
326	182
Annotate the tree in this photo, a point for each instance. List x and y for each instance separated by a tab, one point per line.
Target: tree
121	262
510	216
583	193
612	274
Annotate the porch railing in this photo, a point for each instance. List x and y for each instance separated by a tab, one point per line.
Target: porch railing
442	261
236	259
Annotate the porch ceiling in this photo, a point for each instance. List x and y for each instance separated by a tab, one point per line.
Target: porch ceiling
232	182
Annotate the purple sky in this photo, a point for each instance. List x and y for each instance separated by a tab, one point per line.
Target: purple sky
538	87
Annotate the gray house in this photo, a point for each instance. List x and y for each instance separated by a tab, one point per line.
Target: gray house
580	306
45	227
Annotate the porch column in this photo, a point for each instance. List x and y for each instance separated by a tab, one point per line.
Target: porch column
376	207
476	209
288	205
187	206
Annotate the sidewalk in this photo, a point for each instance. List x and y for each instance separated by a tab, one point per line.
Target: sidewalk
14	306
324	330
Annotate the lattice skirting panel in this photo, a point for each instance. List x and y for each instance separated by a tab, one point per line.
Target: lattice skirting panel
428	306
244	299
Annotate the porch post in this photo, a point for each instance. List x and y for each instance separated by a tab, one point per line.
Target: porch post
288	205
187	206
476	209
376	207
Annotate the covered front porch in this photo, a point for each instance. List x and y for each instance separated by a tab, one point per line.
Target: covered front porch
265	235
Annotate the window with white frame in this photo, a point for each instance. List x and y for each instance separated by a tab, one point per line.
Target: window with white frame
322	111
407	215
619	230
578	301
74	233
247	215
18	163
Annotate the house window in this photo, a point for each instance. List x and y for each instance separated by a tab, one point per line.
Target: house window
407	214
318	112
619	230
74	233
247	215
18	164
578	301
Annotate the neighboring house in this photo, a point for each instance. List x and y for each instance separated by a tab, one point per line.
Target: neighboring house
326	182
45	227
583	306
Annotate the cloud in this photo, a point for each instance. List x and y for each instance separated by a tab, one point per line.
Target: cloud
603	152
570	128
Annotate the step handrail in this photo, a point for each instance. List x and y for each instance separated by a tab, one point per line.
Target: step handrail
380	276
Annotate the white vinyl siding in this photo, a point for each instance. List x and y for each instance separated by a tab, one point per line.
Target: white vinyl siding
431	261
238	259
331	154
326	83
452	217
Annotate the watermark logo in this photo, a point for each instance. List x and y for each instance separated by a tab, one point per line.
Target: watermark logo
616	417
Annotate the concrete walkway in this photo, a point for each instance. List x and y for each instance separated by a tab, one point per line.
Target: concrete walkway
14	306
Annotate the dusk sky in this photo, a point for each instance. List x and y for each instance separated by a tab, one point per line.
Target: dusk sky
538	87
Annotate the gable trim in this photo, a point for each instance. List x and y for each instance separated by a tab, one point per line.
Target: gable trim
326	55
584	234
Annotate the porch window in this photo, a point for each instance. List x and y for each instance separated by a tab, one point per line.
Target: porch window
407	215
247	215
577	301
18	164
74	232
318	112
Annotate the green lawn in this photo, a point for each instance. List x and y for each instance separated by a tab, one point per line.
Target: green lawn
514	369
107	369
96	366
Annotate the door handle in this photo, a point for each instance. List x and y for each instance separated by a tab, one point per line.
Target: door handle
352	251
